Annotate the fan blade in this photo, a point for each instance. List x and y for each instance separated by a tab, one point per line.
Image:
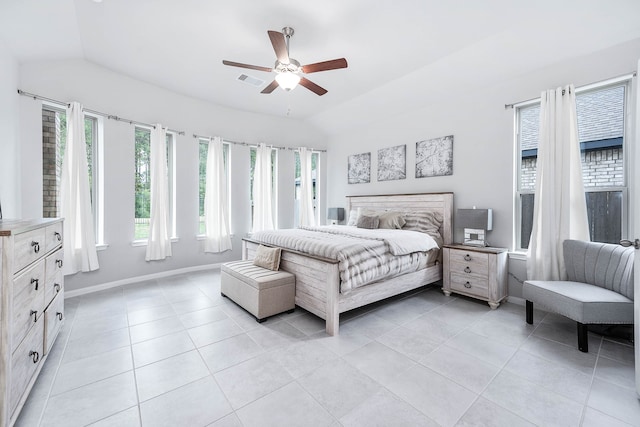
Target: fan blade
272	86
251	67
324	66
312	86
279	46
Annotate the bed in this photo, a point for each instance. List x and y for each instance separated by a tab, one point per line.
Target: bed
318	282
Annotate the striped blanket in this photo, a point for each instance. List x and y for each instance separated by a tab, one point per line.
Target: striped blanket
364	256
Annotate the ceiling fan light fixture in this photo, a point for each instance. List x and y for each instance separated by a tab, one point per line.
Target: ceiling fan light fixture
287	80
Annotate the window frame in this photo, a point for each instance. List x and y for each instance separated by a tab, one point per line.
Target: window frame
274	182
97	167
171	171
316	200
626	82
226	152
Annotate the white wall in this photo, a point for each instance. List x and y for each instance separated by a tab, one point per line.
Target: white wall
103	90
483	160
9	146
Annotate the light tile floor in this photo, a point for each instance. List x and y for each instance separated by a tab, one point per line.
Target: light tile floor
173	352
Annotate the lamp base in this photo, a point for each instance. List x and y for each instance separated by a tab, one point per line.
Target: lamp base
474	237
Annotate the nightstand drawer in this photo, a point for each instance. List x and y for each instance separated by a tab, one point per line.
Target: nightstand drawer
470	268
477	262
469	285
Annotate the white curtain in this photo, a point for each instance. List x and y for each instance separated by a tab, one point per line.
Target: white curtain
79	241
307	216
262	190
560	210
216	206
159	242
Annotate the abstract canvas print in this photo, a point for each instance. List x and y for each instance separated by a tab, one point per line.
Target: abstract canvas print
392	163
359	168
434	157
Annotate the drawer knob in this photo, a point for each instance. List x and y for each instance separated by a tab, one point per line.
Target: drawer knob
59	315
35	281
35	356
36	246
467	285
57	287
34	313
58	236
59	263
467	269
467	257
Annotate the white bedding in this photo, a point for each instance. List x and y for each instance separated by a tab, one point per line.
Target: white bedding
364	256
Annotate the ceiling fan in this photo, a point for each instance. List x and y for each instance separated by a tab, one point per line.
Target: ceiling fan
288	69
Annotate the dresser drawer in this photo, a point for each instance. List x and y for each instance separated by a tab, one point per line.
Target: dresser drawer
477	263
25	362
469	285
54	277
28	301
28	247
53	235
53	319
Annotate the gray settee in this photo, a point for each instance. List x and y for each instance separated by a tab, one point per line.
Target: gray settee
598	289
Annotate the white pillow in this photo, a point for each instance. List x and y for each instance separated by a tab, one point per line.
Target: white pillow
353	217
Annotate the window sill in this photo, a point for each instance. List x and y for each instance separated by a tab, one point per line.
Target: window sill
137	243
519	255
101	247
203	237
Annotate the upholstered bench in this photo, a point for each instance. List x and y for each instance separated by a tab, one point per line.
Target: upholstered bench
260	291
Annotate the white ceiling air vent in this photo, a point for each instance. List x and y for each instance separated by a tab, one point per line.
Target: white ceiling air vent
250	80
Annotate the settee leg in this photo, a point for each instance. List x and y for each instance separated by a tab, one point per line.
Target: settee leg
583	341
529	312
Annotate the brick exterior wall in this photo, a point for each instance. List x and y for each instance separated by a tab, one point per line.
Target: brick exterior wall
51	164
600	168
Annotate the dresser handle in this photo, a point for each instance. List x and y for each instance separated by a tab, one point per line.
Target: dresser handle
467	269
59	263
59	315
57	287
35	356
58	236
467	257
467	285
34	313
36	281
36	246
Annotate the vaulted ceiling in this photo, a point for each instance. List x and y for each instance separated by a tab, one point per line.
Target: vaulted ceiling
397	50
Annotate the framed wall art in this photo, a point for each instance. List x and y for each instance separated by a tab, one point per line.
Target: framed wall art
359	168
392	163
434	157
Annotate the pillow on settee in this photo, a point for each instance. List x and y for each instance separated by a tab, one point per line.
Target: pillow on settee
267	258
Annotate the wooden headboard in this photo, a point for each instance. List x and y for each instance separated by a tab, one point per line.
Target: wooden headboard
438	202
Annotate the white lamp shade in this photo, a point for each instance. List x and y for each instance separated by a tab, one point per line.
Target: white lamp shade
287	80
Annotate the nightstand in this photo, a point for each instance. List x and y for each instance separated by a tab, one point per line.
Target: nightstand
475	272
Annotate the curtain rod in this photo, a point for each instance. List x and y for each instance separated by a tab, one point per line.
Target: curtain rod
585	87
246	144
108	116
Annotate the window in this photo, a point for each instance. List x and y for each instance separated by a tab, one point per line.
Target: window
143	182
274	181
54	139
204	151
601	131
315	177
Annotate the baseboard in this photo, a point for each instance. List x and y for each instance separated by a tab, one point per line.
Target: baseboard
131	280
517	300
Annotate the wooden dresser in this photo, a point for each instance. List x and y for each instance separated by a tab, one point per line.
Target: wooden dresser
475	272
31	306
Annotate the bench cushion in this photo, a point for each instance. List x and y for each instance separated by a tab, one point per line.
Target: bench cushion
257	277
261	292
581	302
